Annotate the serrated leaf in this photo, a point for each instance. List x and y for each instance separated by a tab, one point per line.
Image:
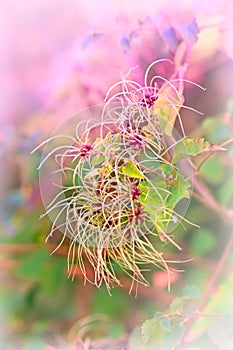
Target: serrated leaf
189	309
192	147
148	327
131	170
136	341
191	292
176	305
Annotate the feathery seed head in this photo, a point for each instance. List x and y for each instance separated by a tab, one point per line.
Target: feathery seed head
117	184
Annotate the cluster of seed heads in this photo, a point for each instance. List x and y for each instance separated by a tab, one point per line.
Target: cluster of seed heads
108	171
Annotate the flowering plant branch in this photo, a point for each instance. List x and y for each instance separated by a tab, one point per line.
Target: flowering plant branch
121	179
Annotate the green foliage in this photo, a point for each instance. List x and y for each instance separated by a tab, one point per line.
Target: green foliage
163	331
187	303
32	267
27	227
149	327
131	170
115	329
179	189
167	329
136	341
193	147
112	306
41	296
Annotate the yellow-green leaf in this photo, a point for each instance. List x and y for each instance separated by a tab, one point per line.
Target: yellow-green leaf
131	170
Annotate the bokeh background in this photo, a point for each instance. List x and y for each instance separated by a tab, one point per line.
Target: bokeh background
57	58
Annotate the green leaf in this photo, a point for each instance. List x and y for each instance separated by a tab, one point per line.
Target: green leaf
220	331
189	309
11	302
148	328
151	195
191	292
136	341
115	330
176	305
32	266
131	170
179	190
193	147
113	307
202	242
53	274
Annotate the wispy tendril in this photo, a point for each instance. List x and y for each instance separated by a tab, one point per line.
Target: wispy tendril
118	184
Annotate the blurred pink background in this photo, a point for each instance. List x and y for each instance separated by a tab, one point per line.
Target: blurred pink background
59	57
